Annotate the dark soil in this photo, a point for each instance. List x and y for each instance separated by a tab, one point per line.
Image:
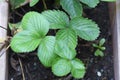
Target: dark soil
98	68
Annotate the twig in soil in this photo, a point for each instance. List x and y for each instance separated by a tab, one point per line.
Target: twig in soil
23	9
4	50
23	75
2	46
28	73
3	28
18	14
45	6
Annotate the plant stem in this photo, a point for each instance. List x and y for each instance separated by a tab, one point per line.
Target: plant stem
45	6
2	52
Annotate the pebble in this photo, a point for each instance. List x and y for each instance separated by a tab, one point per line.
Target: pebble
99	74
35	64
78	52
11	79
102	70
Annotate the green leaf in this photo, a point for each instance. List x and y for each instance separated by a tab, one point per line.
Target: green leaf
98	52
102	41
90	3
25	41
33	2
77	64
16	3
36	22
68	36
46	51
78	68
58	19
95	45
64	51
77	73
35	26
109	0
61	67
85	28
72	7
102	48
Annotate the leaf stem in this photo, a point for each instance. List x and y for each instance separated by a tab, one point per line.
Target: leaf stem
45	6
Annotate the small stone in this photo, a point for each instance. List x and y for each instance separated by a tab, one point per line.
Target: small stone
34	64
79	52
102	70
99	74
11	79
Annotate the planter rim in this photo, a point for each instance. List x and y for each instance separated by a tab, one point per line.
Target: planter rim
115	18
3	35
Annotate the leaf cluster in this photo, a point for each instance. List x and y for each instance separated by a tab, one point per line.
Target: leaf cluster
57	52
100	48
53	51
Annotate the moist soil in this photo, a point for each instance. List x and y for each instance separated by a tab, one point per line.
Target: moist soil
97	68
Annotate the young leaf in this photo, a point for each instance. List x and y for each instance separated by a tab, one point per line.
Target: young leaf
98	52
78	68
90	3
102	48
61	67
25	41
68	36
85	28
45	51
58	19
33	2
102	41
78	73
16	3
63	50
72	7
13	26
95	45
36	22
78	64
